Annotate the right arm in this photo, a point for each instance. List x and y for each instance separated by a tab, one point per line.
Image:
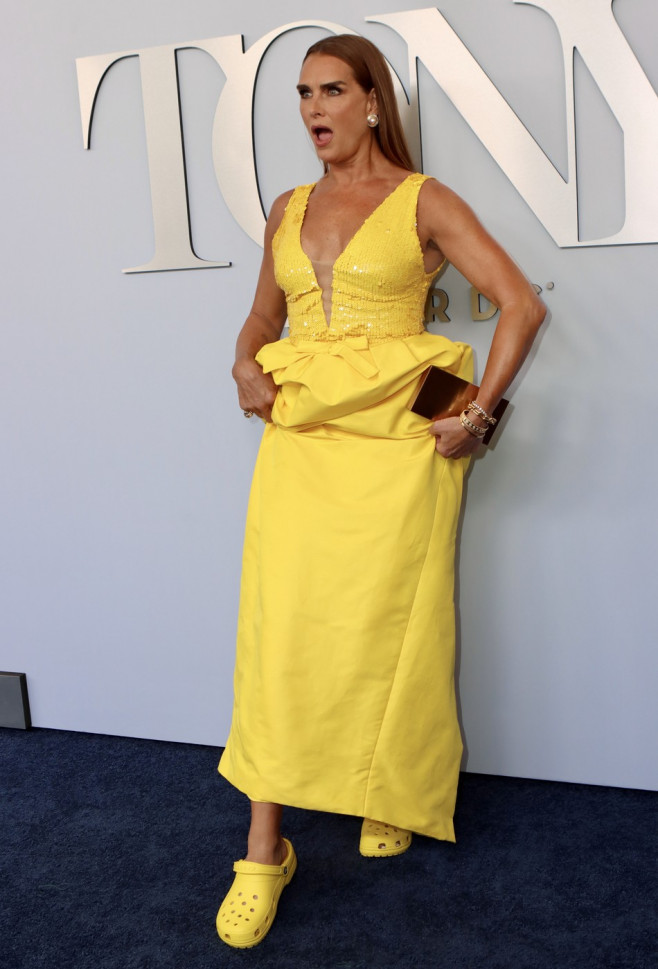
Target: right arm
257	390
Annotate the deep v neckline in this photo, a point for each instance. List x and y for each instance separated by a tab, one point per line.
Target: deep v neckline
342	253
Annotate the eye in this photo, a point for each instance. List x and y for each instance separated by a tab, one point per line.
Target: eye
334	90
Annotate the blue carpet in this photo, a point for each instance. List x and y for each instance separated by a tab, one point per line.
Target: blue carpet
115	854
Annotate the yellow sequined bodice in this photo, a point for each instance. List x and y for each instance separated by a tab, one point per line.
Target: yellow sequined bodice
379	280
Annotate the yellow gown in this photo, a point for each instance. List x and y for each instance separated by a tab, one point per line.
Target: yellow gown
344	679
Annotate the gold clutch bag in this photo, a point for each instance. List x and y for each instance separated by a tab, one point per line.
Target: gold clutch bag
442	394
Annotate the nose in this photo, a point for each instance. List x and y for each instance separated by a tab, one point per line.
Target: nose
312	104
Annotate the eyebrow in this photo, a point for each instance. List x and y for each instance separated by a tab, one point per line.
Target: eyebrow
323	87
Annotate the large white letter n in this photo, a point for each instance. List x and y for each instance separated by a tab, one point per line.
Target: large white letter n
589	27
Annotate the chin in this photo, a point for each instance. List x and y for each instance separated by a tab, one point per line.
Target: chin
327	155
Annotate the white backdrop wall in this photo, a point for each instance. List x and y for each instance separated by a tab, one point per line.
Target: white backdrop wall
126	460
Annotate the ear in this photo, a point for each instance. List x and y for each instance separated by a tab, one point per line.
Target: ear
371	104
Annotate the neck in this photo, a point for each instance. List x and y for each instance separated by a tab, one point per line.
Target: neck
362	167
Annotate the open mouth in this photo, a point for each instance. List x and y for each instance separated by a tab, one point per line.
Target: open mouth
321	135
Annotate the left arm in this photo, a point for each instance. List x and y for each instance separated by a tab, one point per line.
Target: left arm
448	225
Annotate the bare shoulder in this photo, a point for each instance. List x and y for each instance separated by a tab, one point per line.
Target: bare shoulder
279	207
438	202
445	220
275	216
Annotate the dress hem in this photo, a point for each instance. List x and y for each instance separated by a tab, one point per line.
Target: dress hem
446	829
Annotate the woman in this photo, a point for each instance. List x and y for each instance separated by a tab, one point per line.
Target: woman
344	692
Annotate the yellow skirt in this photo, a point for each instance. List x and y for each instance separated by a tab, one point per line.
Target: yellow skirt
344	679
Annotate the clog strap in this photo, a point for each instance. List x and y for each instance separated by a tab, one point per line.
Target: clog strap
254	868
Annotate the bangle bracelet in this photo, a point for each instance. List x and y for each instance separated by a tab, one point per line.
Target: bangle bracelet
469	426
481	412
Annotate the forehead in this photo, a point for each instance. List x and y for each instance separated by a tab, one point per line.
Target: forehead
323	68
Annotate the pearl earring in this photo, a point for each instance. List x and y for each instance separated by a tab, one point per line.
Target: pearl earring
373	120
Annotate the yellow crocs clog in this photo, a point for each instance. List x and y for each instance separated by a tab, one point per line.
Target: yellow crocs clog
246	914
379	840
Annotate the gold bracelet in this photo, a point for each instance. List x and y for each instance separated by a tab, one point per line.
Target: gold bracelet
469	426
481	412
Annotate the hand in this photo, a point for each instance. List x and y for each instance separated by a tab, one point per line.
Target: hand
256	390
453	440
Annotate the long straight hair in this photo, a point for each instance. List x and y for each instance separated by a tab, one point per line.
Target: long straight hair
371	71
